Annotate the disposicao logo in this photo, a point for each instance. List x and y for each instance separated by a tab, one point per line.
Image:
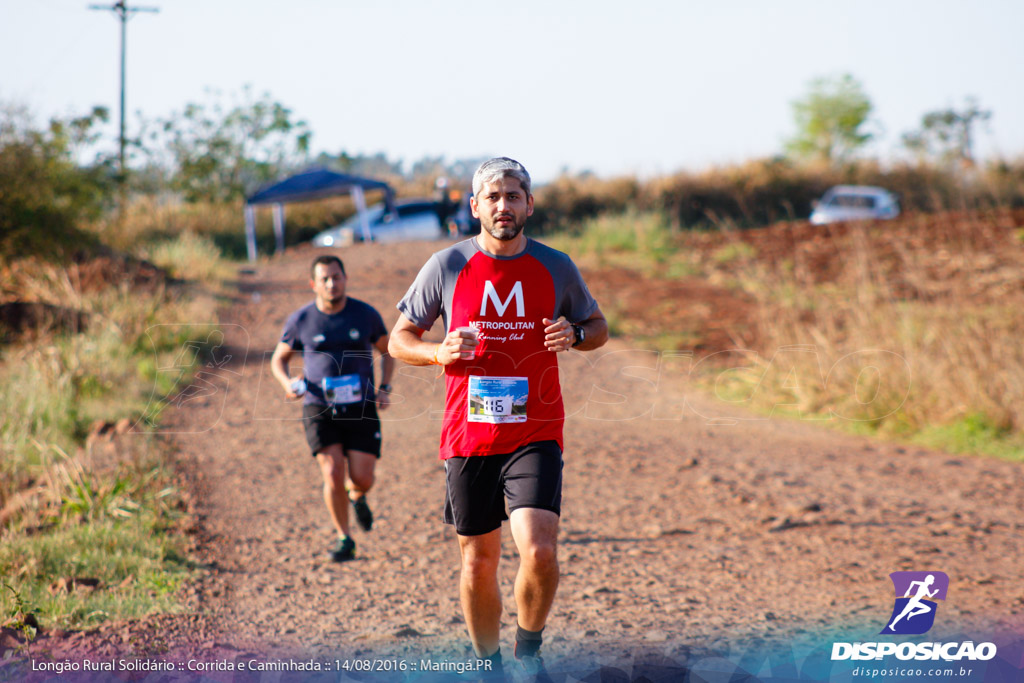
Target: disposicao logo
916	596
913	613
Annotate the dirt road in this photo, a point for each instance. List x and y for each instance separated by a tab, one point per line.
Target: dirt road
688	526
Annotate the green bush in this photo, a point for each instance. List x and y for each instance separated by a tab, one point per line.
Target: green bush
44	193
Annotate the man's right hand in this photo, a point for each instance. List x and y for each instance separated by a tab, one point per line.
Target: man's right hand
456	345
290	388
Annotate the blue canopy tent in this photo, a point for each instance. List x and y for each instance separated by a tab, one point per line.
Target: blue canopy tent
314	183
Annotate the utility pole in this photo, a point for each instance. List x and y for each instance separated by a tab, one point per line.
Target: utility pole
124	12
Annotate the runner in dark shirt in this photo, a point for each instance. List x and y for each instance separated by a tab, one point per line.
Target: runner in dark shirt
336	336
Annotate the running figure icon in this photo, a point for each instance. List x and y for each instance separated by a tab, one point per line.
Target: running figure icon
915	606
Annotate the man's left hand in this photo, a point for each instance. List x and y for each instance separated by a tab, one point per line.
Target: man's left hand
383	399
558	335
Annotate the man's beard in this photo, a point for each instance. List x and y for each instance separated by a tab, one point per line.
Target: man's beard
333	300
505	234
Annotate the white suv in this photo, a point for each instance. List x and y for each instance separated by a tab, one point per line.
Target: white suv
854	202
416	220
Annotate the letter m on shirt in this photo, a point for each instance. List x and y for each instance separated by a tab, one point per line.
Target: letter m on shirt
501	306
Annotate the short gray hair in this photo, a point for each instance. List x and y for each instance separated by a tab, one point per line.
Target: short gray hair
497	168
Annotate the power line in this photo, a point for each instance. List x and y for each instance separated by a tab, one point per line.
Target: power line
124	12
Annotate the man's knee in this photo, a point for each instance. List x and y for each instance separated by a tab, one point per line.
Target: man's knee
332	466
480	563
362	481
536	534
541	555
361	468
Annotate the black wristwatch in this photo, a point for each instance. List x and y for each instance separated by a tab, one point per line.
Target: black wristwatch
384	387
580	333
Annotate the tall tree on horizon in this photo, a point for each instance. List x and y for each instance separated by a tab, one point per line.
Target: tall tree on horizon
221	152
830	120
948	134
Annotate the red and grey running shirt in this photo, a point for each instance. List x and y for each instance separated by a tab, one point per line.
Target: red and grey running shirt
508	395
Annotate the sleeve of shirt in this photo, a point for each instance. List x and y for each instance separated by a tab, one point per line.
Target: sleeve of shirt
422	303
377	328
290	334
576	301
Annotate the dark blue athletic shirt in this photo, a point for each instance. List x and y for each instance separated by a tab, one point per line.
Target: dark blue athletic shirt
338	345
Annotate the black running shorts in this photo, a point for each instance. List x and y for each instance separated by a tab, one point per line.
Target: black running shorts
356	427
477	486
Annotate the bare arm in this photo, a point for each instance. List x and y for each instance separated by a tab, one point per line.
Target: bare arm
387	370
279	368
596	327
407	345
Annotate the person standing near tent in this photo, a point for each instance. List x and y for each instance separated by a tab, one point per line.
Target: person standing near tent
509	305
336	336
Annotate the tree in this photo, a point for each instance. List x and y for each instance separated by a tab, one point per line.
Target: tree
220	154
376	166
456	171
947	134
830	120
45	193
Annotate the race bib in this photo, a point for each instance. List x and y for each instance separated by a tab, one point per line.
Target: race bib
342	390
497	400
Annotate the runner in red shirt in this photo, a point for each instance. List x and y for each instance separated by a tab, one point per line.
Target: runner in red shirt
509	304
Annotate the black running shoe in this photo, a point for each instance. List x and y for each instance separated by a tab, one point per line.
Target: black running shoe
344	551
363	513
531	668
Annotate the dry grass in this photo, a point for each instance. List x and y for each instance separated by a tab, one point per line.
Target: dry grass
56	383
75	505
908	329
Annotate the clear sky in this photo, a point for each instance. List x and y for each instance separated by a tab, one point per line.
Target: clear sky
613	87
